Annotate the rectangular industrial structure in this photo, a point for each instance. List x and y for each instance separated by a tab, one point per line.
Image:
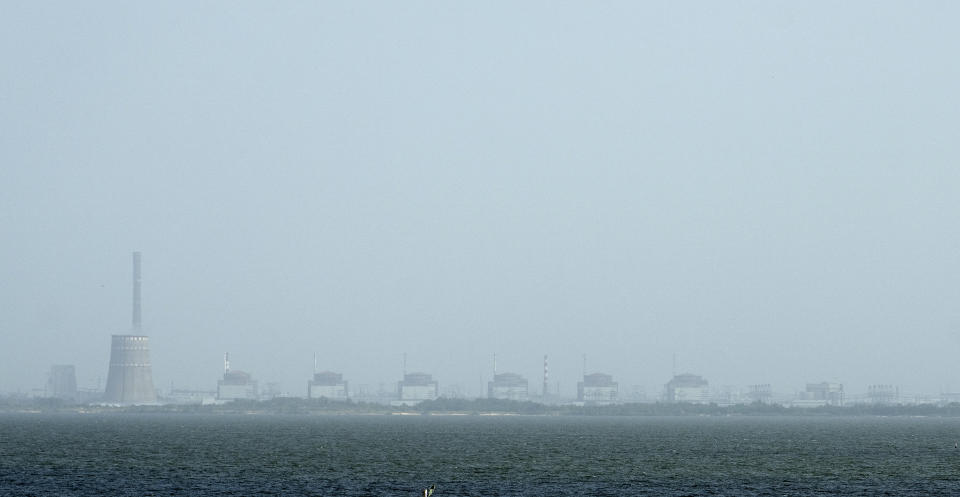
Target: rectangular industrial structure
415	388
509	386
598	388
327	385
236	384
688	388
63	383
820	394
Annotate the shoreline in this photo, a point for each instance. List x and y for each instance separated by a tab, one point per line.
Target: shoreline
488	408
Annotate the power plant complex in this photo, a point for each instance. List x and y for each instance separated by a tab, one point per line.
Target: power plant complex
130	382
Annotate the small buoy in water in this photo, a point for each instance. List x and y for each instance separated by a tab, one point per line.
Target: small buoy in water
427	492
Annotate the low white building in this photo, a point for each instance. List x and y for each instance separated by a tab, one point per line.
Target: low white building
183	396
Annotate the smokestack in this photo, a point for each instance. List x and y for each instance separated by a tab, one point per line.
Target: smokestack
136	292
226	363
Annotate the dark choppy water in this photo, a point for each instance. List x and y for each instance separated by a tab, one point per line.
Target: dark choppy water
126	454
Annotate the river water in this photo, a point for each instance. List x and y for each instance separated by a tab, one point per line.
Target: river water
190	454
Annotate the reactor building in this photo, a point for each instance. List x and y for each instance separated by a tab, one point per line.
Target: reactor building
236	384
415	388
598	388
328	385
130	377
510	386
688	388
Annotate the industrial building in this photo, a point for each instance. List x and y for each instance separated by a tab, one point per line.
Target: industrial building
130	377
727	395
688	388
236	384
62	383
415	388
509	386
885	395
327	385
820	394
761	393
598	388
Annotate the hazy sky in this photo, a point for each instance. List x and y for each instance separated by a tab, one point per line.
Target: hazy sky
769	190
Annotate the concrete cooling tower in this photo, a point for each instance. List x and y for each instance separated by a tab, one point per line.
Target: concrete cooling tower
130	378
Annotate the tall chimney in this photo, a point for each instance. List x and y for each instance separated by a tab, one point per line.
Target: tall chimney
136	292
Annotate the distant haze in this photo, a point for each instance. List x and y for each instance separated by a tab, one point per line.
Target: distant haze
768	190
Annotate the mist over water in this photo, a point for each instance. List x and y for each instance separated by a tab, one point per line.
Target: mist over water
765	191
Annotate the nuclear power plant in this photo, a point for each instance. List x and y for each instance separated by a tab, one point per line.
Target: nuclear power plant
130	382
130	378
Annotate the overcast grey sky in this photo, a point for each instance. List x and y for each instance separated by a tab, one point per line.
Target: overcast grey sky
767	189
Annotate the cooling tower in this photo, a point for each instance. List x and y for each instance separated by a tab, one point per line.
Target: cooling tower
130	378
